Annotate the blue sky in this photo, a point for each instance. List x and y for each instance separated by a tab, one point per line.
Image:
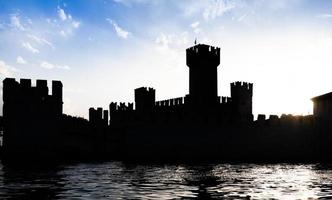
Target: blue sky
103	49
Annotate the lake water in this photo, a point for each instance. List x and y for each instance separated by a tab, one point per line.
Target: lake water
116	180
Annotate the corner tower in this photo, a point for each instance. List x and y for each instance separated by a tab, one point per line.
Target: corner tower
203	61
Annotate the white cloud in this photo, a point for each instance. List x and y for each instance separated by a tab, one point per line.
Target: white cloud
65	24
68	26
41	40
217	8
195	27
242	17
130	2
171	47
29	21
66	67
76	24
164	40
119	31
20	60
6	70
62	15
248	12
67	17
47	65
197	30
167	40
29	47
66	32
63	33
169	52
208	9
16	22
324	16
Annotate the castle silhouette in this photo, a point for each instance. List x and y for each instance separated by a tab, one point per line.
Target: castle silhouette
199	126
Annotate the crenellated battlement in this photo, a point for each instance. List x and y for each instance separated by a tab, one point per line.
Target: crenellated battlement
285	120
225	100
242	85
202	54
201	49
25	88
122	106
170	102
32	100
241	90
145	90
98	116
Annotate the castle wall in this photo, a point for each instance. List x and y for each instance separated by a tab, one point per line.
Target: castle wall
200	125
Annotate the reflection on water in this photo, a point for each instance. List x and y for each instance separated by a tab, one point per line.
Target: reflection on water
117	180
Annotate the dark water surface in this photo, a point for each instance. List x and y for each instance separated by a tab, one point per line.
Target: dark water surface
116	180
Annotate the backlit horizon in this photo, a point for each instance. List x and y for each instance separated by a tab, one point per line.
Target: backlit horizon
103	50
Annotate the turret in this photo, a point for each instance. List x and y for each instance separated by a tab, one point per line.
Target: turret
144	99
241	93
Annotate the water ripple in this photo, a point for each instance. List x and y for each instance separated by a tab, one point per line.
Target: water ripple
116	180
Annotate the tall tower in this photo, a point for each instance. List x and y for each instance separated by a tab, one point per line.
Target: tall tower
203	61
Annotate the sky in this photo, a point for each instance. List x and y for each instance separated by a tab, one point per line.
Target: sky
102	50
